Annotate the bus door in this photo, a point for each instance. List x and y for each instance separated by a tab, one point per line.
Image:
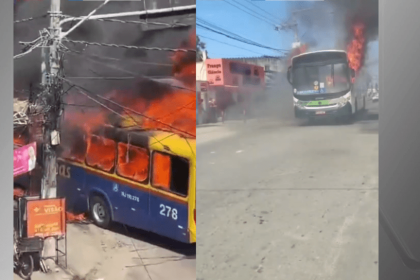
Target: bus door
133	164
169	209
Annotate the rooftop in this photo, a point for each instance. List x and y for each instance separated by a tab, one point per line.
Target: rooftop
257	57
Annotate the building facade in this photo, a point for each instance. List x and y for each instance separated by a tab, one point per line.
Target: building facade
273	65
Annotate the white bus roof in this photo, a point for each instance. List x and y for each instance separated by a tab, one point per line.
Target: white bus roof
306	53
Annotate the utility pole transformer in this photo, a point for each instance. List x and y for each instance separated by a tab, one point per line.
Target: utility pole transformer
51	68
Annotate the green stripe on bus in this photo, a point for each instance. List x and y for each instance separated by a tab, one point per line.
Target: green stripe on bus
319	103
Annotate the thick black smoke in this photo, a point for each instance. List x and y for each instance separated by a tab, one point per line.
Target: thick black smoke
128	63
363	11
320	21
343	13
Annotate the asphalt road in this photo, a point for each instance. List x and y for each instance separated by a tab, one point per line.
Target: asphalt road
278	199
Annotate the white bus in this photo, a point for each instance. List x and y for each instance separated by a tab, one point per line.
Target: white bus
323	86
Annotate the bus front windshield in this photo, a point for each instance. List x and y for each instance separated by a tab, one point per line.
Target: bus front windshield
324	79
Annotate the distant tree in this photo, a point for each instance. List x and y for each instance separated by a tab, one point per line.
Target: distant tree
201	47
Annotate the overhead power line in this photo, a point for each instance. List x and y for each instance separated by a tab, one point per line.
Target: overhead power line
189	8
31	49
124	60
253	15
270	14
93	97
201	36
253	11
30	19
127	46
69	51
243	41
220	29
172	25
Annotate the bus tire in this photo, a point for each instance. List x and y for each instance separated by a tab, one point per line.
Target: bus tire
99	212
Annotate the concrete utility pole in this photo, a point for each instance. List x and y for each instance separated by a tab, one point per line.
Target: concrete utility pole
290	26
50	100
52	85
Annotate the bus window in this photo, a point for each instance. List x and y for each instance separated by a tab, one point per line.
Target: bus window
133	162
101	153
180	175
161	171
171	173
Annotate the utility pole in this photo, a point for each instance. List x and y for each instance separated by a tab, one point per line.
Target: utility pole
51	98
292	25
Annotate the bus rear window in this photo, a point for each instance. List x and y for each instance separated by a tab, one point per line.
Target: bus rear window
101	153
133	162
171	173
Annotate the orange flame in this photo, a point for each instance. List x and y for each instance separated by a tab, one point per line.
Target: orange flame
174	112
356	48
19	139
133	162
70	217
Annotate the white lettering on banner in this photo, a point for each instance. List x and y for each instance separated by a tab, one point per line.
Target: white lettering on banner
168	212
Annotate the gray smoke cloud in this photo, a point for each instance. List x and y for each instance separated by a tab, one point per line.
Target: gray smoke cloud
128	62
320	21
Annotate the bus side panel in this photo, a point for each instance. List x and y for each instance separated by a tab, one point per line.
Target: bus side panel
169	218
133	206
101	186
70	184
122	200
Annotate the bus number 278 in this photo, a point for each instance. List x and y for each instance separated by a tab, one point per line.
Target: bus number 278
168	212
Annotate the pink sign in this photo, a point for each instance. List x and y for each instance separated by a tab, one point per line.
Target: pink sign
24	159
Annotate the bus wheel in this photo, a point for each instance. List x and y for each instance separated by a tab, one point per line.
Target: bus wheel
99	212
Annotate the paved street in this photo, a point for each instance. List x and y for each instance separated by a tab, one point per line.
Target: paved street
96	254
279	199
